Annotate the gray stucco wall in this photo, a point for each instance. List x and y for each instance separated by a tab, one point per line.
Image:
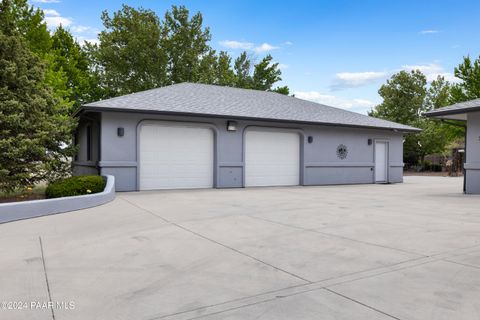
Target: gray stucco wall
472	165
81	164
320	164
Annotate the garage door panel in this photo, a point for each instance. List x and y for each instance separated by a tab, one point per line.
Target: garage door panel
272	158
174	156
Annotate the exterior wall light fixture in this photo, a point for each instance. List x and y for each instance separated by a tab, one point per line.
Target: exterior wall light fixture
120	132
231	126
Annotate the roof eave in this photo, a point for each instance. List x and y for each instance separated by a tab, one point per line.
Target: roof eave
173	113
440	112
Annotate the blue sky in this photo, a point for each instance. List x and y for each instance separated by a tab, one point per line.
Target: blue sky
333	52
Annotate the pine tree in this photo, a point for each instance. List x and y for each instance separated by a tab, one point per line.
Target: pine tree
35	127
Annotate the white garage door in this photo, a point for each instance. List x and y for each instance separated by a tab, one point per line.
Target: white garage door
175	156
272	158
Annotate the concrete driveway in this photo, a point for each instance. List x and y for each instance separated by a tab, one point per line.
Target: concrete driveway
404	251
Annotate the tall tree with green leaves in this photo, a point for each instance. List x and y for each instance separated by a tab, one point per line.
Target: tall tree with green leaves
242	69
405	97
469	88
265	74
185	42
282	90
138	51
36	127
225	75
437	135
28	23
129	57
70	59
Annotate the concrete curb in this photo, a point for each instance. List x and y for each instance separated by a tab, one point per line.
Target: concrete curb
37	208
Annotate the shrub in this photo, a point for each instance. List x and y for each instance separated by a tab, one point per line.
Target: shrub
75	186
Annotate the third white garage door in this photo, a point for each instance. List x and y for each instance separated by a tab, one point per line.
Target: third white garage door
272	158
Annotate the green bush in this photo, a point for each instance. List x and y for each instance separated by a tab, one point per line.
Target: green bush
75	186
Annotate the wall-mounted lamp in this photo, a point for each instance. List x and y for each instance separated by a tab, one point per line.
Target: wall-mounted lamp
310	139
120	132
369	142
231	126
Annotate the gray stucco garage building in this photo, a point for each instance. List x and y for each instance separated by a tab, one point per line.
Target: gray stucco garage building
468	112
201	136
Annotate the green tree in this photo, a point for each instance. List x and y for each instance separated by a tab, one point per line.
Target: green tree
35	127
225	74
129	57
405	97
282	90
469	88
185	42
70	59
27	21
138	51
439	95
207	70
242	69
265	74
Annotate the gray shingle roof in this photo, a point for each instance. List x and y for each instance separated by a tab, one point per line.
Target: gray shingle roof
202	99
458	108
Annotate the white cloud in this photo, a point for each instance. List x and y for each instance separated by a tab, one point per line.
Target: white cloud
282	66
46	1
51	12
345	80
81	29
54	19
232	44
430	31
264	47
82	33
359	105
357	79
244	45
82	41
432	71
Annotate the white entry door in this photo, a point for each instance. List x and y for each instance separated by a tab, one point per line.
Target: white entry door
175	156
272	158
381	162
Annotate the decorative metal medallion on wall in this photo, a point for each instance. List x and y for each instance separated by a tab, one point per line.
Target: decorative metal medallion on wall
342	151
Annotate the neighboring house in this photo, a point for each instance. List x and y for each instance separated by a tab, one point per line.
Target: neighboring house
468	112
202	136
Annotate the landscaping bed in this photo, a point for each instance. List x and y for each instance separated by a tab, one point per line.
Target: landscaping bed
35	193
73	186
66	195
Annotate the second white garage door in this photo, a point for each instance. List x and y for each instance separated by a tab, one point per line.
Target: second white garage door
272	158
175	156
